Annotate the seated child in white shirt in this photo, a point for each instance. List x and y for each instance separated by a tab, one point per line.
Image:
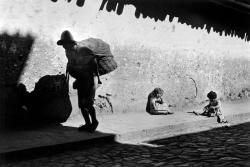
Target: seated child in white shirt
213	108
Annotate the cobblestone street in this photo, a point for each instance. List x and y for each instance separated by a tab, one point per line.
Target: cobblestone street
218	147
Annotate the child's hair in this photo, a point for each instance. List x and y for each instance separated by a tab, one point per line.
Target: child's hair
158	91
212	95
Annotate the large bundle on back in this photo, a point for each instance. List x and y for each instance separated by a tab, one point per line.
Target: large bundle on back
101	50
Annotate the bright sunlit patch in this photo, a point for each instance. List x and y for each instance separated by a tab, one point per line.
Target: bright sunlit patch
150	145
141	144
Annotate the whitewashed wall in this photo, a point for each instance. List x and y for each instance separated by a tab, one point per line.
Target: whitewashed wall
149	53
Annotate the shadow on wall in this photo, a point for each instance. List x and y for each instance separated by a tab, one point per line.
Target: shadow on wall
18	107
14	52
229	17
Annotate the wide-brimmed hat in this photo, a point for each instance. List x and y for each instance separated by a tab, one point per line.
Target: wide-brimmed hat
66	37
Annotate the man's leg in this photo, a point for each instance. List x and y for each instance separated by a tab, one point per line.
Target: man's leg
85	115
90	104
83	108
92	113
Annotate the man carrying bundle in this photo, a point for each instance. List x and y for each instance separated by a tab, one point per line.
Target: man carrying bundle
87	60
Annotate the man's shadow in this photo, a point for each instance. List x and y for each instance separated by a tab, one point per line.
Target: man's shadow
18	107
49	103
14	53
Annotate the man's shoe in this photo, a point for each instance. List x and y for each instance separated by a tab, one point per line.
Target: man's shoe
94	126
84	128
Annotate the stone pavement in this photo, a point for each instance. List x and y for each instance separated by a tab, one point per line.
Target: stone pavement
130	127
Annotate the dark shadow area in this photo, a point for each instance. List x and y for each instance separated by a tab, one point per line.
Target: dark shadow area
14	52
49	140
231	17
218	147
49	102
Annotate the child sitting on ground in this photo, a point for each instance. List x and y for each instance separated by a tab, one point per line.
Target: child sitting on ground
155	99
213	108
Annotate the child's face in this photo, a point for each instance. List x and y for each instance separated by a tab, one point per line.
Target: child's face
211	99
158	95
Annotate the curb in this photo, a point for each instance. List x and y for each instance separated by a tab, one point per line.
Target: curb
143	135
161	132
36	152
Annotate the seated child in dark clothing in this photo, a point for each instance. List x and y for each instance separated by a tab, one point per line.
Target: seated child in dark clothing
155	99
213	108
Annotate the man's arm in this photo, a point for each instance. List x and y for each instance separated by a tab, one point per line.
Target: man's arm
96	70
153	108
160	101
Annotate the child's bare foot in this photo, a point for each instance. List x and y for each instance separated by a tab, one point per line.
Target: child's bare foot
196	113
226	124
171	105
